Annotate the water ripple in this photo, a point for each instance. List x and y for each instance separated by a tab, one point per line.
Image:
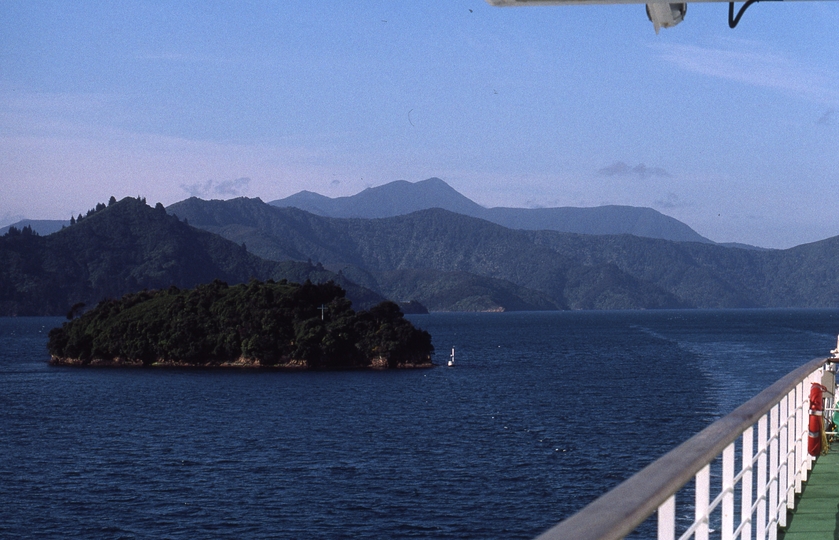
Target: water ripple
542	414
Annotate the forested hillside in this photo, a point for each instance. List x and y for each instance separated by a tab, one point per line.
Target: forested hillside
712	276
511	269
127	247
420	254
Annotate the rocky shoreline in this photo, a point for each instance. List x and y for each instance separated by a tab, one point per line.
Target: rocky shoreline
379	363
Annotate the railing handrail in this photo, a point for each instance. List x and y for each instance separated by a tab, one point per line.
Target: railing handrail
618	512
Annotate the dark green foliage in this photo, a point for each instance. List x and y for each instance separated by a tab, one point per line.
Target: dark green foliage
25	231
386	334
75	310
267	324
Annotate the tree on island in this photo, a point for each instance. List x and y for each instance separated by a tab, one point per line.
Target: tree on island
254	324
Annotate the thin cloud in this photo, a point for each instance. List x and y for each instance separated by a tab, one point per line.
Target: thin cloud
198	190
741	61
641	171
60	114
210	187
232	187
827	119
181	58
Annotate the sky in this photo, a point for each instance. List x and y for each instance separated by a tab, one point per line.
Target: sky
733	132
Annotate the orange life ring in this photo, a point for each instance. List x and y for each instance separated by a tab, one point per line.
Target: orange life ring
814	438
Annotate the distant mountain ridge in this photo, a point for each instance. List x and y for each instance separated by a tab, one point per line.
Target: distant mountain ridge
40	226
446	261
443	260
450	261
402	198
393	199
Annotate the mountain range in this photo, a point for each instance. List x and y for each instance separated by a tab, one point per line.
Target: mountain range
401	198
422	255
433	257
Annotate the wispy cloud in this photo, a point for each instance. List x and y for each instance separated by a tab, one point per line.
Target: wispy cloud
750	63
232	187
60	114
827	119
641	171
211	187
198	190
182	58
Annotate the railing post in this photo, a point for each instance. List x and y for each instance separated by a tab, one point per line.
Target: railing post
762	485
801	438
728	493
667	519
792	406
703	499
746	485
773	472
783	428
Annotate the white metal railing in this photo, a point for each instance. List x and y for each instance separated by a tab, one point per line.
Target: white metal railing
768	433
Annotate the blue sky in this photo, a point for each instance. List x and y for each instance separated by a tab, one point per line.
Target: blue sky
734	132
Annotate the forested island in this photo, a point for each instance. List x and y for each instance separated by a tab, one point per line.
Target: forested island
255	324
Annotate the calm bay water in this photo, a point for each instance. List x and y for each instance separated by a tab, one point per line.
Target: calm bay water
542	413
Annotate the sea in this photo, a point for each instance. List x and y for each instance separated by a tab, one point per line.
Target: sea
541	414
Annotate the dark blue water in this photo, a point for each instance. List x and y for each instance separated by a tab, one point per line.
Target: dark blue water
541	414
